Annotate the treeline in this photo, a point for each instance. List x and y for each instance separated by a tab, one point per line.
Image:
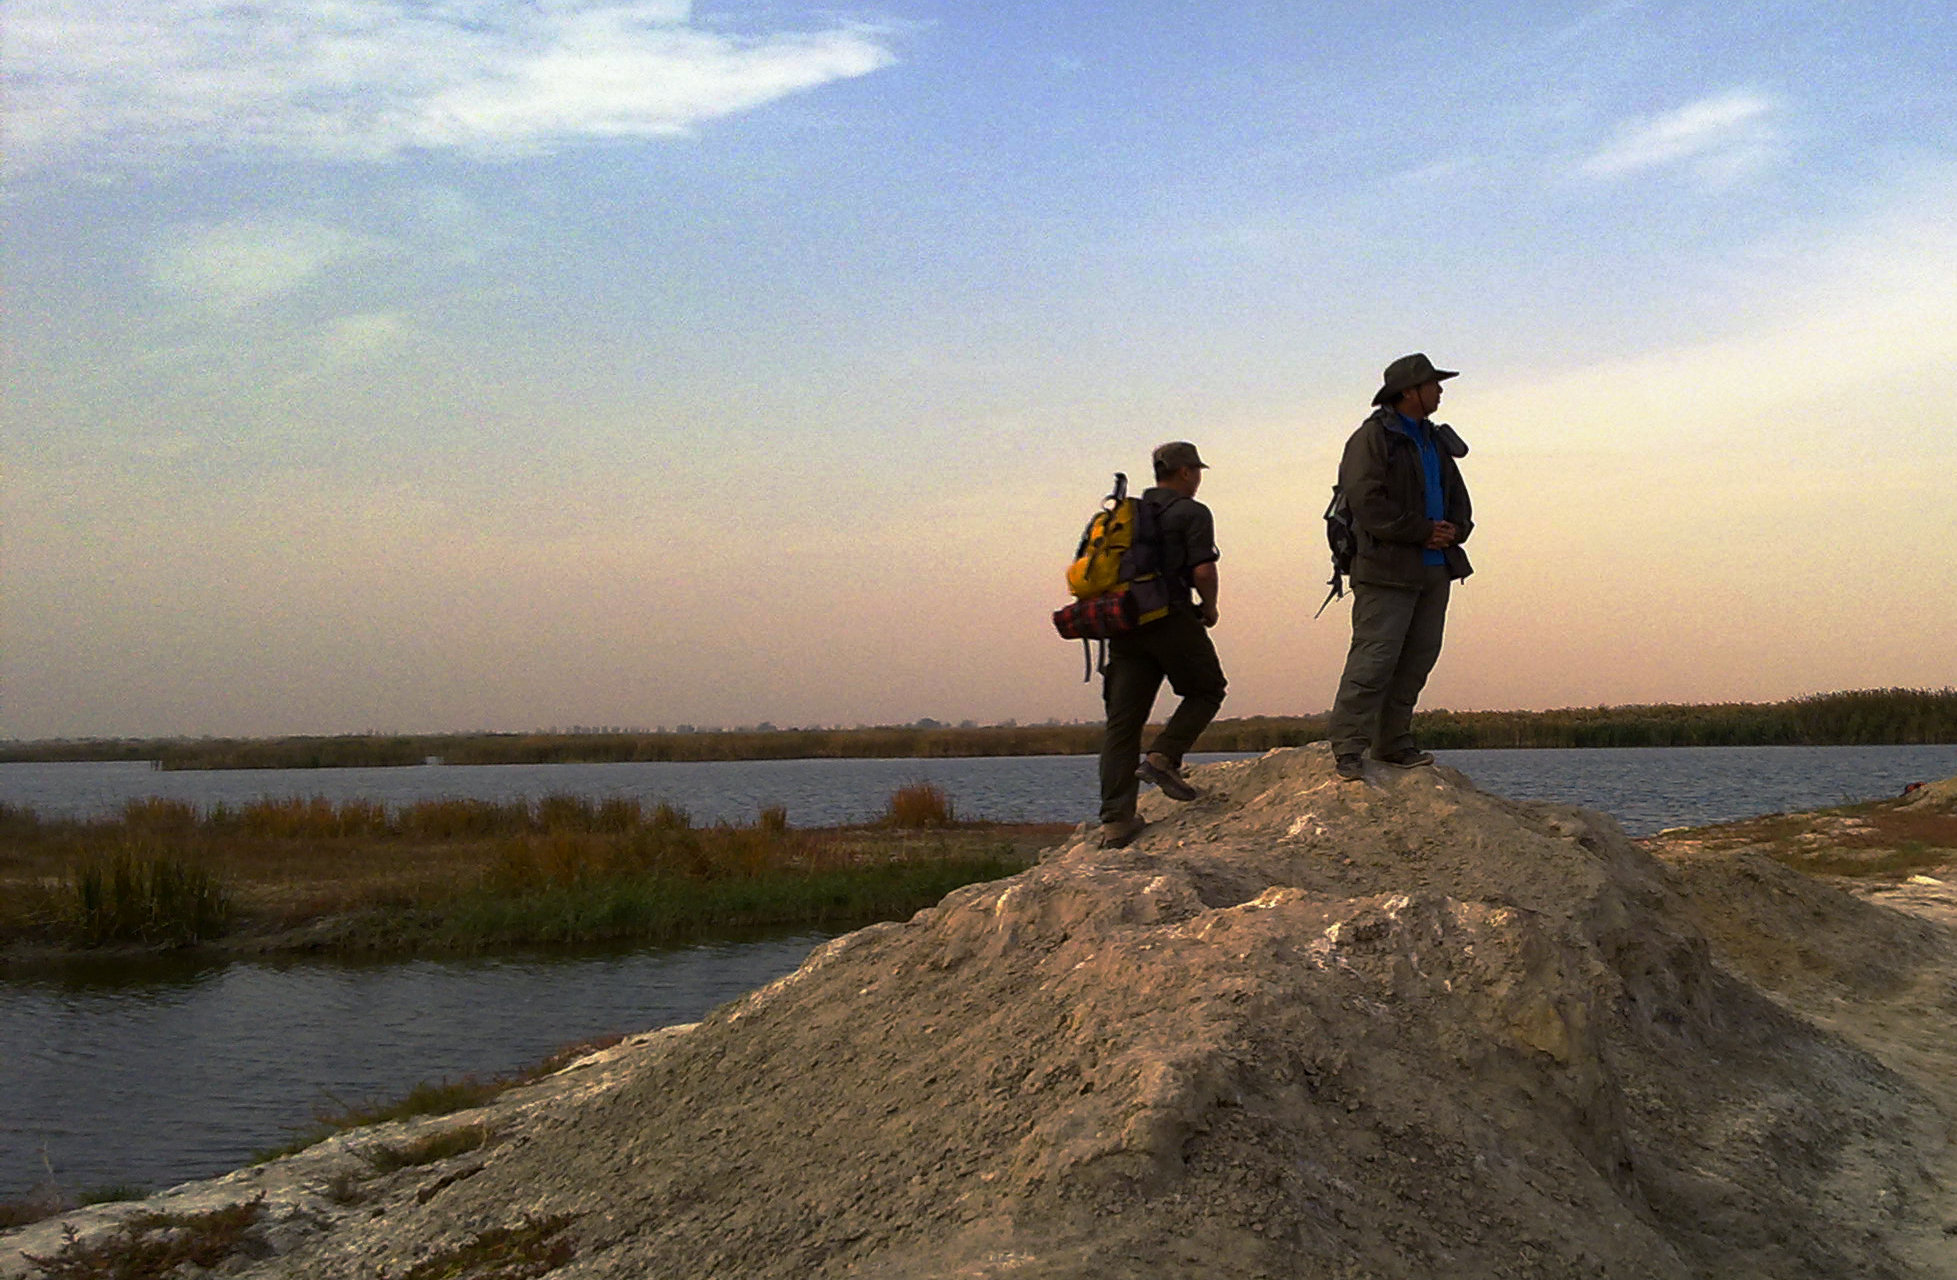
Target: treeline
1865	717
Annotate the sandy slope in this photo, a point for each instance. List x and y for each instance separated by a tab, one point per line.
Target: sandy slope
1300	1028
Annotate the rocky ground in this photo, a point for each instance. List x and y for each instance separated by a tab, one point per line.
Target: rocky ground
1301	1028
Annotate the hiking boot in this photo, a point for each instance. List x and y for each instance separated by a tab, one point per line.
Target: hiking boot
1411	758
1350	767
1119	833
1171	782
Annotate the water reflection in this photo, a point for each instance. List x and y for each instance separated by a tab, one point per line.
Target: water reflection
164	1075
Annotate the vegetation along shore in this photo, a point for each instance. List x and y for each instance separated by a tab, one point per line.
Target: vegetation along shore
1865	717
301	876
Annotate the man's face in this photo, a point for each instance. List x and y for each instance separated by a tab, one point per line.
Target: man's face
1428	396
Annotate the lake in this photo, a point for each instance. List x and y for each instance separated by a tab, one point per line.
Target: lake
1645	788
157	1072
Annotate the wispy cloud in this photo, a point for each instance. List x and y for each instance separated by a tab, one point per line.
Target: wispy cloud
370	335
1720	137
226	267
140	80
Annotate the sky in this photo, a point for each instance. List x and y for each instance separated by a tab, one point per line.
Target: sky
450	365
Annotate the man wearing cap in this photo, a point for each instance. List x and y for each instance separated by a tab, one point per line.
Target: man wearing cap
1176	647
1411	513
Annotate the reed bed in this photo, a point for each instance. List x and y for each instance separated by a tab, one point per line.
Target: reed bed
466	874
131	896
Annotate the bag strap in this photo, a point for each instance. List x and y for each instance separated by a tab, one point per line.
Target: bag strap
1088	666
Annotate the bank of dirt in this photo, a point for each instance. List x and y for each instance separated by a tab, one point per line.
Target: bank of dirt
1301	1028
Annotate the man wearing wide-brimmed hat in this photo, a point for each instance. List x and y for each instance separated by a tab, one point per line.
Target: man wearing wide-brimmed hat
1411	514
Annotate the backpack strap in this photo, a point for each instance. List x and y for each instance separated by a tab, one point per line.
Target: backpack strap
1088	666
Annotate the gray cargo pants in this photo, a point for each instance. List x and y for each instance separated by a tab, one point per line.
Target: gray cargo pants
1396	638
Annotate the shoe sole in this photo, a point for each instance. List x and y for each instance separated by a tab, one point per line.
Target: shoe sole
1170	785
1404	764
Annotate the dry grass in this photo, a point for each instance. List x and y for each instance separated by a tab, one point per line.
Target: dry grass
153	1246
429	1150
919	805
532	1248
430	1098
470	874
1878	839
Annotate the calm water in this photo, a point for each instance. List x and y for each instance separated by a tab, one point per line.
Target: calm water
154	1074
157	1074
1645	788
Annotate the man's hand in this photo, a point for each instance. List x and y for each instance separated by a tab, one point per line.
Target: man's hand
1203	578
1442	537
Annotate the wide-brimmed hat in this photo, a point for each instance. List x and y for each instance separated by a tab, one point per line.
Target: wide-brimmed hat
1406	373
1176	455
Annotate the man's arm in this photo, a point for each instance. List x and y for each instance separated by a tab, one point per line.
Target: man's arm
1362	477
1203	578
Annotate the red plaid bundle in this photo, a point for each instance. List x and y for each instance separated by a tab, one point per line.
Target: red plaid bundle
1097	617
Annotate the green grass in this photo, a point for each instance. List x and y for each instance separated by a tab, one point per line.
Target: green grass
660	907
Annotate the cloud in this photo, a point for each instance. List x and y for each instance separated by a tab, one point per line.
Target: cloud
357	338
230	266
143	80
1834	324
1722	137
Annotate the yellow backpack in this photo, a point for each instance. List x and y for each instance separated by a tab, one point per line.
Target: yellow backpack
1096	569
1116	575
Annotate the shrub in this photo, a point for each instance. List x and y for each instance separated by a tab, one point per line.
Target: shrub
919	804
150	1246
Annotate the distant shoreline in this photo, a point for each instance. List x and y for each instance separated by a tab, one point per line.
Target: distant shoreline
1868	717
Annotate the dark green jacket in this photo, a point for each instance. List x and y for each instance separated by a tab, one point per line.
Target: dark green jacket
1380	477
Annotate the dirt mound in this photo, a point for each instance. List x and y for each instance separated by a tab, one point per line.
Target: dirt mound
1938	796
1301	1028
